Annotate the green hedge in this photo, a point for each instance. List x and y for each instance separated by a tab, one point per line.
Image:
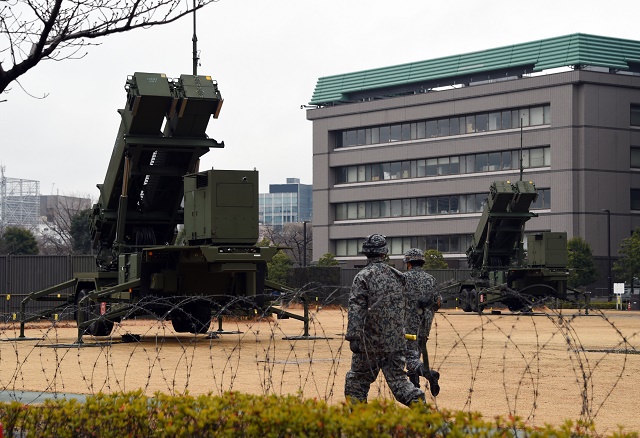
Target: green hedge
241	415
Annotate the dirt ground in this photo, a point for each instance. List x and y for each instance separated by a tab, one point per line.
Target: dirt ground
544	367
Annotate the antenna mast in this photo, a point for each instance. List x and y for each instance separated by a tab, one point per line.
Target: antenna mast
195	42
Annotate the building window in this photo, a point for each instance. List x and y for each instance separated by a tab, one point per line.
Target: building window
432	167
432	128
470	124
536	116
445	166
635	157
454	126
506	120
444	127
635	115
495	120
425	206
635	199
482	122
482	162
455	243
543	202
547	115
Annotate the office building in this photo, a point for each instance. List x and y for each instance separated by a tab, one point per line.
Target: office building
286	203
410	151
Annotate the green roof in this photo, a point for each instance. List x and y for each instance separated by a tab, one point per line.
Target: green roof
570	50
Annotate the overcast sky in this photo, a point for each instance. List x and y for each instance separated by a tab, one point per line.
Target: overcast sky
266	57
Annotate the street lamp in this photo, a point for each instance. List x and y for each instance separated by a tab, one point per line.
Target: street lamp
609	250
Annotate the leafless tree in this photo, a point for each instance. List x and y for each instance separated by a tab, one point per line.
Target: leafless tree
292	235
57	211
36	30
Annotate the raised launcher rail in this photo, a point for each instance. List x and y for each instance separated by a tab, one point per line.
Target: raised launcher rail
140	199
500	273
151	186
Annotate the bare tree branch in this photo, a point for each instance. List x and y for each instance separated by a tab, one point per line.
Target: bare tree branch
55	237
292	235
35	30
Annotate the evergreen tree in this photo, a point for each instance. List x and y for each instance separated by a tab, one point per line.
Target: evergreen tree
264	242
328	259
80	232
580	262
628	266
18	241
279	268
433	259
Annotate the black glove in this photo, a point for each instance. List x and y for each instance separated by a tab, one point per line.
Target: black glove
425	302
355	345
434	384
432	302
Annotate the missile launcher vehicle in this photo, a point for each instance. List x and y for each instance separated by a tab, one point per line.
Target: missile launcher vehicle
152	188
502	272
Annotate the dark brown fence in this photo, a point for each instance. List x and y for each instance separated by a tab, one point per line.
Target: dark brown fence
21	275
441	276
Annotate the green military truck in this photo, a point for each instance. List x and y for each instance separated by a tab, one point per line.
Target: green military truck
502	272
152	187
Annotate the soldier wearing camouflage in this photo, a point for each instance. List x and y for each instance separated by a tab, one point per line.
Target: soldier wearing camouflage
375	328
422	298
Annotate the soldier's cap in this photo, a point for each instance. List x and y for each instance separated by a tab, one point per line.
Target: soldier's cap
413	254
375	244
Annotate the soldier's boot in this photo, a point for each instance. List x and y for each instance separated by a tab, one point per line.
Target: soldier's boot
414	378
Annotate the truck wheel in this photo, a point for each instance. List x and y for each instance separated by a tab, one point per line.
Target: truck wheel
515	305
193	318
90	310
473	298
180	322
465	297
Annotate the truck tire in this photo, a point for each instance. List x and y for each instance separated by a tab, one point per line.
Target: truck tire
90	310
473	298
192	318
515	305
465	298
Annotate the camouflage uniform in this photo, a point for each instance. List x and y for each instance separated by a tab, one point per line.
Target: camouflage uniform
375	328
420	285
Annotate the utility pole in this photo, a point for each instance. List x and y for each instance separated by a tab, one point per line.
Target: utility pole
609	278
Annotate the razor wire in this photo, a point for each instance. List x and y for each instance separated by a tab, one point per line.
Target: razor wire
543	365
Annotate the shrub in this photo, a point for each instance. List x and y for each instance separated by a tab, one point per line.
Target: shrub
236	414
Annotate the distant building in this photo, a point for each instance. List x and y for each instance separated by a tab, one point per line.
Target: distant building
286	203
22	205
63	207
56	212
19	202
